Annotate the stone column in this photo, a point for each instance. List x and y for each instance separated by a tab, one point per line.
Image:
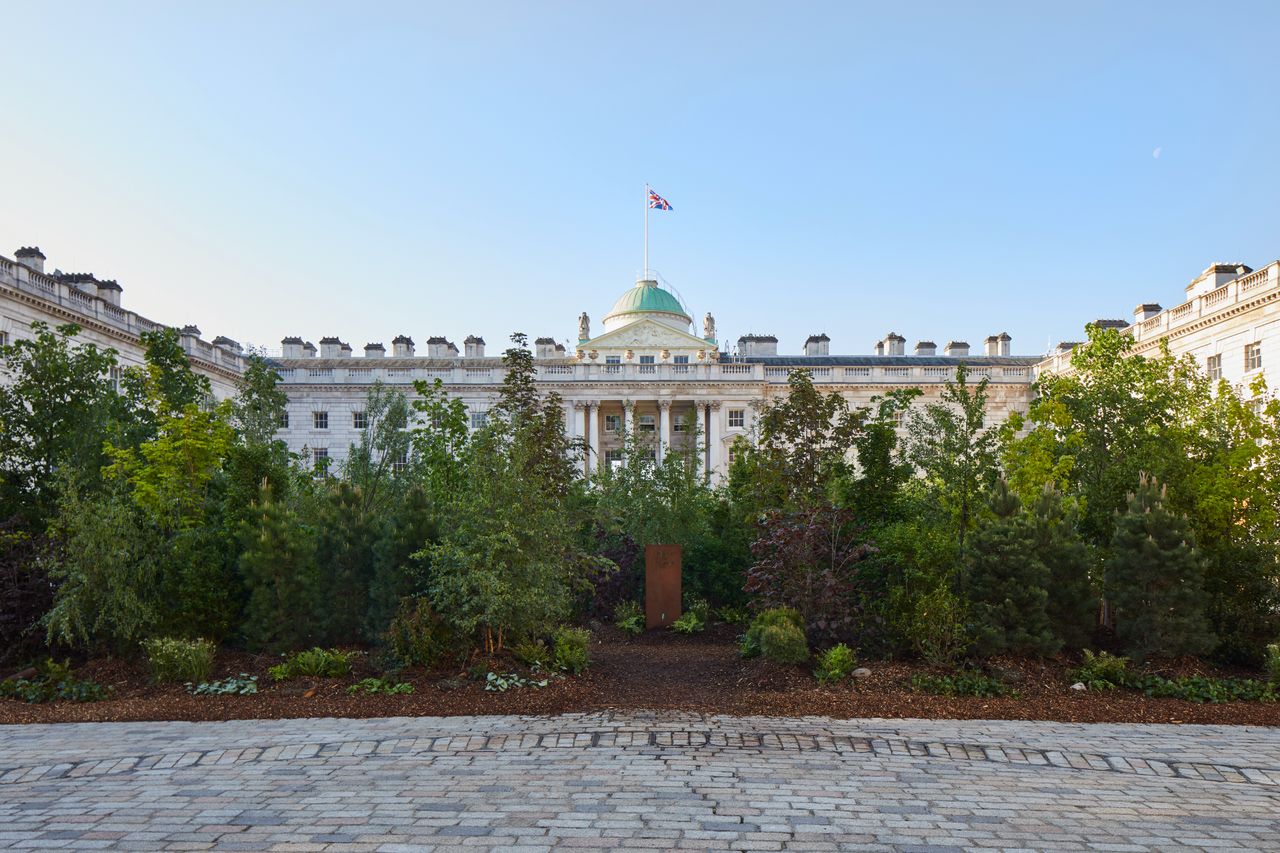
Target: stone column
577	411
713	441
593	435
664	428
627	407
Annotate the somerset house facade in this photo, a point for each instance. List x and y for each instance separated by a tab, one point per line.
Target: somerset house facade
647	365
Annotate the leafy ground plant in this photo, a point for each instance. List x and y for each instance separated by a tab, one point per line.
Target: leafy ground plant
835	664
750	645
53	682
533	654
1272	664
629	618
496	683
380	686
1103	671
243	684
784	644
689	623
964	683
1197	688
315	663
173	659
730	615
571	650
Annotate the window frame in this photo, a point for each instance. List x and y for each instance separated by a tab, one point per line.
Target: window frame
740	415
320	420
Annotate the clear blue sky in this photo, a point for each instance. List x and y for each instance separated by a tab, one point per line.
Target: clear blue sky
943	170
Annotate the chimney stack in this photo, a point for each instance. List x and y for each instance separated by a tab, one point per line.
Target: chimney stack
291	347
329	347
895	344
956	349
926	348
818	345
757	345
1145	311
374	350
31	257
474	346
402	346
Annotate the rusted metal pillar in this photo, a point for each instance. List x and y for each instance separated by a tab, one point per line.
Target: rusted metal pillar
661	585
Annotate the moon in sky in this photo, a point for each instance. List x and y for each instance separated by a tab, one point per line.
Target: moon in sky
1156	154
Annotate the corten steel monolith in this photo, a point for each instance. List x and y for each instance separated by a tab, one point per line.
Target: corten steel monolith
661	585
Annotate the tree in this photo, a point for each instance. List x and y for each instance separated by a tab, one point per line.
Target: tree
509	563
260	403
874	492
815	560
1007	583
56	406
1073	605
803	446
277	561
950	443
1155	580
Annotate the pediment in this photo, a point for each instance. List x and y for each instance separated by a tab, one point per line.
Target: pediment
646	334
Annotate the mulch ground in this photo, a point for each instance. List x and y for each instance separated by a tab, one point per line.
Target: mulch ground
657	671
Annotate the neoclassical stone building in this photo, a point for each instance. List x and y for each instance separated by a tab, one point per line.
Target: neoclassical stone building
647	365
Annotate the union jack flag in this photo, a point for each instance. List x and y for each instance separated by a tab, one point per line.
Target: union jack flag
658	202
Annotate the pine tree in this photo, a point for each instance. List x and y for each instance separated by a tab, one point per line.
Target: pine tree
1073	605
1155	580
279	567
1007	583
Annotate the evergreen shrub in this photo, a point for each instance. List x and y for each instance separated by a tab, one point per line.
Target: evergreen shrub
173	659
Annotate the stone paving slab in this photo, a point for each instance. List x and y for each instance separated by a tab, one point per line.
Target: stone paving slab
658	781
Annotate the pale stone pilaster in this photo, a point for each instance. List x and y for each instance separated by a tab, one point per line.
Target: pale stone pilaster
713	441
664	428
593	435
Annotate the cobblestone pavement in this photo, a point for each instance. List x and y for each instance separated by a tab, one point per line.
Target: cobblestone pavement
633	780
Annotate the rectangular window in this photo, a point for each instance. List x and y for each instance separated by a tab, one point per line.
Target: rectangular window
646	359
1214	367
320	420
400	461
1253	356
613	458
320	458
647	424
359	420
678	423
283	422
4	339
479	419
682	359
613	423
646	364
737	418
613	359
113	378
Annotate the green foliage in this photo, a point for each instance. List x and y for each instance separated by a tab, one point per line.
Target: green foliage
1272	663
784	643
380	686
260	403
53	683
496	683
731	615
1154	580
690	622
56	405
243	684
836	664
571	649
964	683
418	636
313	663
750	645
1103	671
533	653
950	444
26	594
938	628
629	618
1072	605
277	561
1197	688
176	659
1007	583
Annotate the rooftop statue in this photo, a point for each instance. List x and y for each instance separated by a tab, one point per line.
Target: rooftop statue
584	327
709	327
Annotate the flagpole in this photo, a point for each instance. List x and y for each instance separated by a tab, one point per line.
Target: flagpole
645	273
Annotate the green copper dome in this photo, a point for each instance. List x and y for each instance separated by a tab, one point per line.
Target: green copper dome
646	297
